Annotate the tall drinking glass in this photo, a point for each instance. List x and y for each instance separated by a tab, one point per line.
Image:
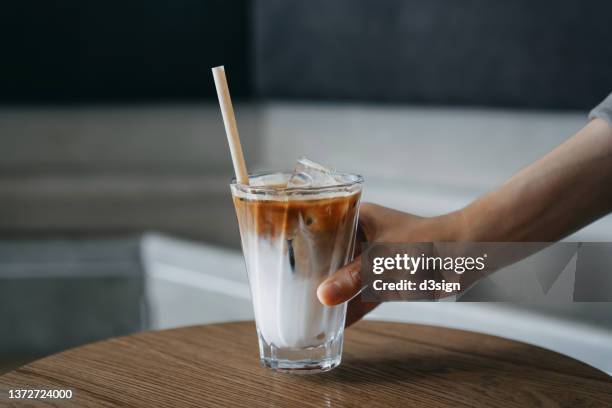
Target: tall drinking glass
293	238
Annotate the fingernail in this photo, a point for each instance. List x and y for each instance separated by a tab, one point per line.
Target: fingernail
329	292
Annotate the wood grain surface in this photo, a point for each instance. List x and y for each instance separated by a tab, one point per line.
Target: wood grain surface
384	365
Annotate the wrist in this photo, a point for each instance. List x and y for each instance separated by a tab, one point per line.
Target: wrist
460	227
453	227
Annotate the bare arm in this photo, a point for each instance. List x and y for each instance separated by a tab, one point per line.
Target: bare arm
551	198
563	191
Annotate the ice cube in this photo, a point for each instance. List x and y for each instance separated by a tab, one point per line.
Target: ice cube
310	174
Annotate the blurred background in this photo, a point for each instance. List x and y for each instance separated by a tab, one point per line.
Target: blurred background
115	212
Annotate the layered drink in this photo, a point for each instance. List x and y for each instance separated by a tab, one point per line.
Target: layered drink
297	228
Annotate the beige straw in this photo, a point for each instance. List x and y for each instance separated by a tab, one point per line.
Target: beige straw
229	120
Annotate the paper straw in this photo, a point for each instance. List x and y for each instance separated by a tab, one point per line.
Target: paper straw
229	120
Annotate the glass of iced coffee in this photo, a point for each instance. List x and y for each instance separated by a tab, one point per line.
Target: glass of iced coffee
297	228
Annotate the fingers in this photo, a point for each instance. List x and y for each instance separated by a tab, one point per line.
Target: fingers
357	309
342	285
367	221
346	282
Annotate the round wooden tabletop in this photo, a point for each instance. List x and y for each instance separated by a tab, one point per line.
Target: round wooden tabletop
384	364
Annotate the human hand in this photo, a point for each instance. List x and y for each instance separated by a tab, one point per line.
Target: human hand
381	224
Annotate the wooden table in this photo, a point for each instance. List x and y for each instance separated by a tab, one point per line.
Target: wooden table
385	364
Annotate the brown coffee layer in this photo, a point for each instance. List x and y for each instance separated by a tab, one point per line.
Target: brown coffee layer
271	218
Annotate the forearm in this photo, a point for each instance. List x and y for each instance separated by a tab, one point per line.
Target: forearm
551	198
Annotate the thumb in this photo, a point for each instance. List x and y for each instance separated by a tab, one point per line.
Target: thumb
342	285
346	281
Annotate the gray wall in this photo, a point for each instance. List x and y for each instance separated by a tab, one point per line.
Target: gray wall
120	170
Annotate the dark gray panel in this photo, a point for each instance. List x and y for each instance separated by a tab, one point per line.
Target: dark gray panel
111	50
522	53
56	294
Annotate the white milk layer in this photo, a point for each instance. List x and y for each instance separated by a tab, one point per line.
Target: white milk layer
287	310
